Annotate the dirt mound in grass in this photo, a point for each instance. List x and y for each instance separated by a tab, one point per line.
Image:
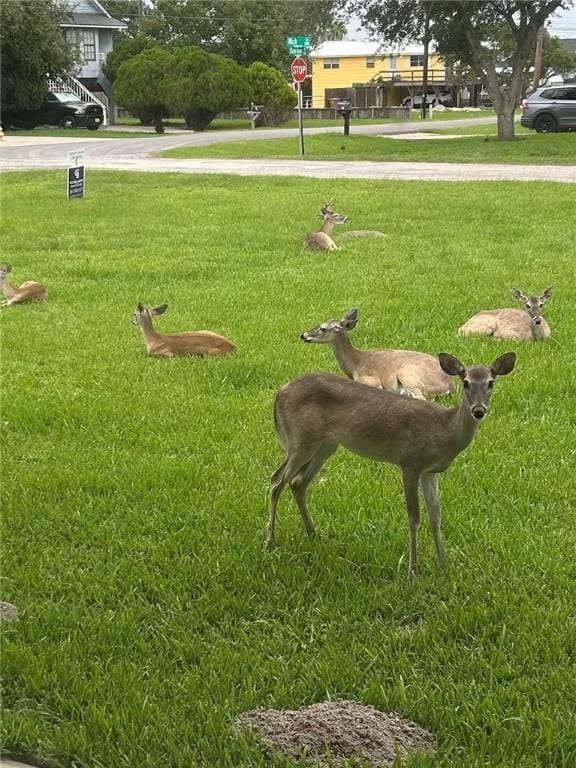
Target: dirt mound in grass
334	730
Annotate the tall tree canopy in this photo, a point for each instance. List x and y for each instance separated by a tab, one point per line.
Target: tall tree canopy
32	46
243	30
494	39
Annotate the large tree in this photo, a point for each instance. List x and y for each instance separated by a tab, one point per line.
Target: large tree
244	30
271	90
203	84
32	46
142	85
494	39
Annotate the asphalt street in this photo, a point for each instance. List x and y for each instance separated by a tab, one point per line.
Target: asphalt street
141	154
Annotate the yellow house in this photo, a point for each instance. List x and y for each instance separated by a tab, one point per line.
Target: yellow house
369	74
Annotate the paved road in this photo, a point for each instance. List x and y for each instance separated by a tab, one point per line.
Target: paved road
138	154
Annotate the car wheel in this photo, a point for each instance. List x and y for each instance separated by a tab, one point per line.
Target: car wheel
67	122
407	103
545	124
93	127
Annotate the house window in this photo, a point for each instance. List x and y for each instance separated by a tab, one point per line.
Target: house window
416	61
370	62
85	41
331	63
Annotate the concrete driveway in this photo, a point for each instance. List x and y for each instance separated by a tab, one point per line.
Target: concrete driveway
140	154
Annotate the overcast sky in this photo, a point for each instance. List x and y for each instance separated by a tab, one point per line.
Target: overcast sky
563	24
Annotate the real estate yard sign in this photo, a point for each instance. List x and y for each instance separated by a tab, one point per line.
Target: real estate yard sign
75	176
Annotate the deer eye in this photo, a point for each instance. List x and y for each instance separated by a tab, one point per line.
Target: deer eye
528	304
540	305
490	383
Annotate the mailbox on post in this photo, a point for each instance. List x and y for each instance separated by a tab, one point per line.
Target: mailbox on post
254	113
345	109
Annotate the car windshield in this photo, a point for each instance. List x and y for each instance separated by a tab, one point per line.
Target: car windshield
66	96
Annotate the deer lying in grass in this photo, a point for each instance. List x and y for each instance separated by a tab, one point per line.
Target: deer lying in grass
321	240
317	413
199	343
409	373
520	324
28	291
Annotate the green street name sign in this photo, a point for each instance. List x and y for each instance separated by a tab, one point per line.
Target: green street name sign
298	45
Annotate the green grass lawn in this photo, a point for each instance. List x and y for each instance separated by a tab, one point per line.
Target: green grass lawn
134	489
529	148
220	124
79	133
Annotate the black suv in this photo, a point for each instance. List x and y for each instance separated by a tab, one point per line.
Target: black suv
61	108
550	108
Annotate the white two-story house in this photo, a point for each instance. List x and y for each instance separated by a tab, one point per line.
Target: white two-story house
91	29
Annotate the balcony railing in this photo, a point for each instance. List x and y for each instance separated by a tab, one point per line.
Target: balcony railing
408	76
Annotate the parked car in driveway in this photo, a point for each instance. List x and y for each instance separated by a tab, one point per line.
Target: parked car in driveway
61	108
550	109
432	100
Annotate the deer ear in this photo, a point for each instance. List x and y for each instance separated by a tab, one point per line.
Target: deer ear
451	365
546	293
140	307
503	364
350	319
517	293
160	309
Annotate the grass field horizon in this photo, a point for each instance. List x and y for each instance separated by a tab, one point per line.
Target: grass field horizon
476	144
134	489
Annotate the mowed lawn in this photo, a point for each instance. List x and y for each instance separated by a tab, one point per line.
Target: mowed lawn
476	144
134	489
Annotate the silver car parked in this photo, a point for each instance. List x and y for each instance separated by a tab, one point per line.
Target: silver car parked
550	108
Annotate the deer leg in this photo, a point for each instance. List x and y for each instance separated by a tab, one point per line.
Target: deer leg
429	483
299	484
410	478
281	476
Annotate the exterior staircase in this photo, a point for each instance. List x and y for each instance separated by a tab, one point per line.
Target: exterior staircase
74	85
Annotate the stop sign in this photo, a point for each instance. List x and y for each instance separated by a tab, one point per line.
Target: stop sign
298	70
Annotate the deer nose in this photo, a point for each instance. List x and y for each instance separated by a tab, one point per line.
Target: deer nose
479	411
304	336
537	320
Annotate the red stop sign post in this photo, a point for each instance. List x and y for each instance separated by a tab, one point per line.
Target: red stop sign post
299	72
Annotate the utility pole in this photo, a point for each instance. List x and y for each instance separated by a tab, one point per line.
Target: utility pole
426	42
538	58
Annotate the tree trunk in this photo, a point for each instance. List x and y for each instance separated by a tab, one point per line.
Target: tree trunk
158	127
505	119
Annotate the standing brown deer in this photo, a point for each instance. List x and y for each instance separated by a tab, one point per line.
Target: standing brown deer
201	343
519	324
28	291
409	373
321	240
319	412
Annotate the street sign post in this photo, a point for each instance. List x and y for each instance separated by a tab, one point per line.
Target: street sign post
299	72
75	175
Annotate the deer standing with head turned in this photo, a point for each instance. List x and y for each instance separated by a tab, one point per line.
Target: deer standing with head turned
519	324
200	343
415	374
28	291
322	240
319	412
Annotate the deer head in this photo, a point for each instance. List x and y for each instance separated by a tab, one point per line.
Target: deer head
478	380
142	313
533	304
327	332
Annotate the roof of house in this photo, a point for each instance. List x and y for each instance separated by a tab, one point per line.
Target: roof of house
344	48
568	42
93	20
